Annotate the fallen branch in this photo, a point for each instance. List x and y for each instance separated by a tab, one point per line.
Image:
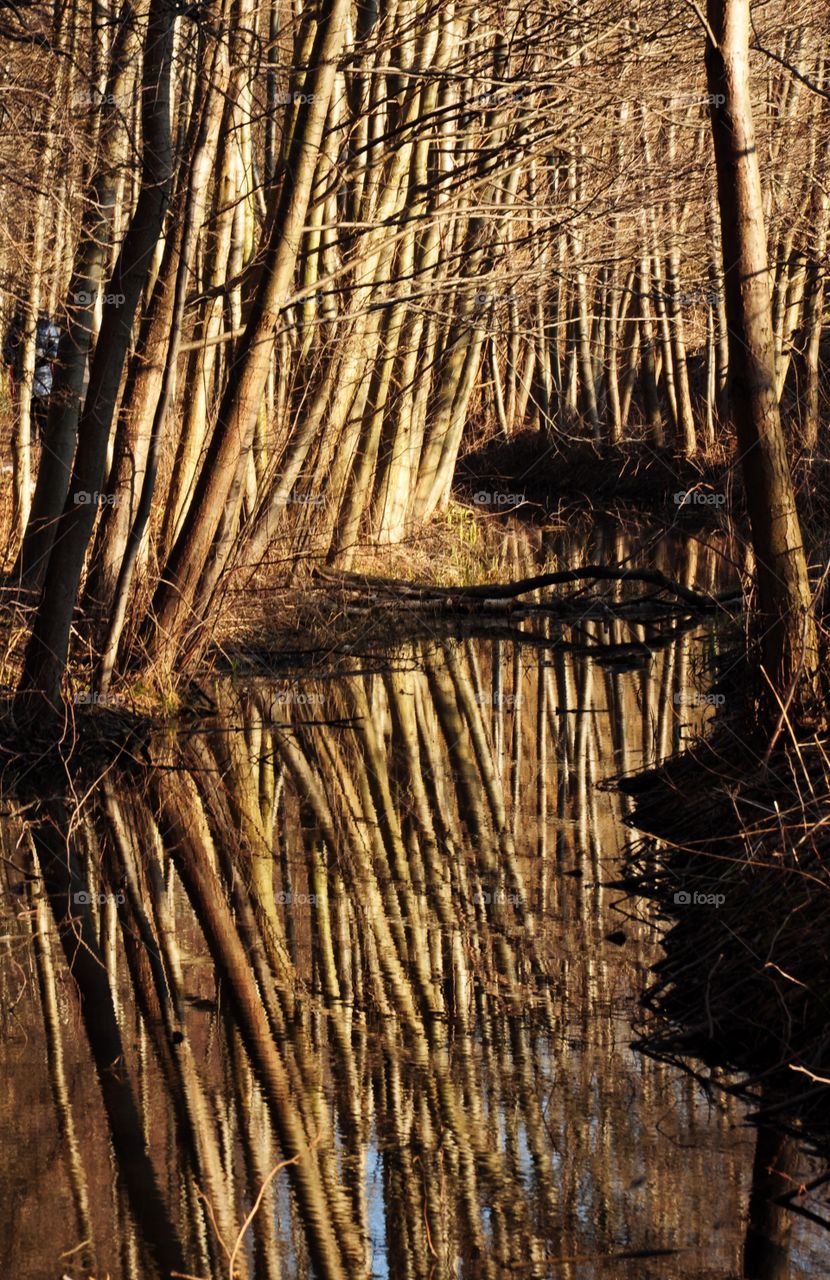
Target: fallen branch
701	601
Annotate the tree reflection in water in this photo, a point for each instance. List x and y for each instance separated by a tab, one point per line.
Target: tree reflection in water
340	954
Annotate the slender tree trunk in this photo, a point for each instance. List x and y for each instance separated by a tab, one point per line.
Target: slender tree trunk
582	318
651	400
785	623
91	258
201	370
150	381
128	540
47	651
809	364
217	492
718	303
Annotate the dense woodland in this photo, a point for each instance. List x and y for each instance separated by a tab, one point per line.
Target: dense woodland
301	257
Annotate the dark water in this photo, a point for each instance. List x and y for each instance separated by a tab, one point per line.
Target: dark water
360	917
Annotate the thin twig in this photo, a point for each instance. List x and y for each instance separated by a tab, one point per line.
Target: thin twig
282	1165
704	22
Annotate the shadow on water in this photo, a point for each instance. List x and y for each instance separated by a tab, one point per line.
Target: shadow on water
332	985
739	996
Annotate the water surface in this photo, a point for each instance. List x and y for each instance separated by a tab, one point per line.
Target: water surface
360	917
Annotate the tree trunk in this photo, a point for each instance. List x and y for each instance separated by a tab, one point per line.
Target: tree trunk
128	540
785	625
55	470
808	363
217	487
47	651
767	1244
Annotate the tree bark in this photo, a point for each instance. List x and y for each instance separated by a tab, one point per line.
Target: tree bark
785	625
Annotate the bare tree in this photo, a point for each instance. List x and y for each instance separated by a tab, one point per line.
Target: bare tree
47	649
786	625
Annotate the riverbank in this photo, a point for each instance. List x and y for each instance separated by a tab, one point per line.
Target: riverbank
735	860
519	507
535	476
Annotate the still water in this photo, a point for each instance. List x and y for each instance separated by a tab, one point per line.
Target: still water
340	985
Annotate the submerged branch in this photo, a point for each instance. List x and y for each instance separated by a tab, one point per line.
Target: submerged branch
489	594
